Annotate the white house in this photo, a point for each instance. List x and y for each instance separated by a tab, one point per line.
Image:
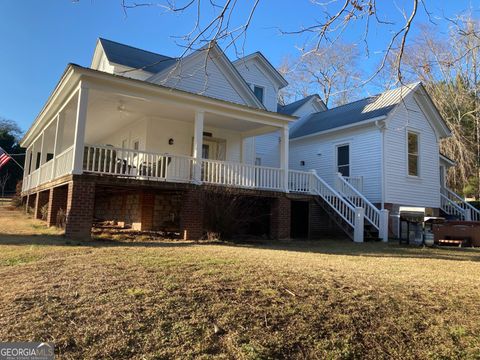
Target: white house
138	137
386	146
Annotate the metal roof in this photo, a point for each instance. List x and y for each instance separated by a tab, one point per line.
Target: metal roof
289	109
135	58
352	113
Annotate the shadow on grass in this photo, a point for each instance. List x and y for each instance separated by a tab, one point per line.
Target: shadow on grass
321	246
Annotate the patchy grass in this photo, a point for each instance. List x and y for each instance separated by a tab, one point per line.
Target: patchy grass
325	299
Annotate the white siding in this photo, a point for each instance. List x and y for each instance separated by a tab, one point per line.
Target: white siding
267	147
154	133
135	131
253	75
130	72
365	157
194	77
423	191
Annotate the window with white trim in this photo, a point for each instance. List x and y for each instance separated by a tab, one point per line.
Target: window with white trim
343	159
259	92
413	154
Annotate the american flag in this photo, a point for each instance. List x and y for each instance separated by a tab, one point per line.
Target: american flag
4	157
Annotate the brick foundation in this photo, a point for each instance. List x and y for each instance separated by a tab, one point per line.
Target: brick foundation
80	208
280	218
40	201
192	215
57	201
147	204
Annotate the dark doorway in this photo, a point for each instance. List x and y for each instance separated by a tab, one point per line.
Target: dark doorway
299	220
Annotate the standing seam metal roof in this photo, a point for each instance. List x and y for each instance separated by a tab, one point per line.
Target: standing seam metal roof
354	112
136	58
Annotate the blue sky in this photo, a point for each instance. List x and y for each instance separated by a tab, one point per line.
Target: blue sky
39	38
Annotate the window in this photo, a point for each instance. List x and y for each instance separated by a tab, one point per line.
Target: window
413	163
124	143
258	91
136	145
343	160
258	161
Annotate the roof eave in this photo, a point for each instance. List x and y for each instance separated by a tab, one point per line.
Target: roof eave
339	128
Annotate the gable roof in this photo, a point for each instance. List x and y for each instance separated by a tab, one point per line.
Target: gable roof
291	108
228	70
267	66
133	57
368	109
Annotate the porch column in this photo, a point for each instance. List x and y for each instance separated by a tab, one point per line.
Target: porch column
79	139
80	208
284	156
197	146
55	148
42	150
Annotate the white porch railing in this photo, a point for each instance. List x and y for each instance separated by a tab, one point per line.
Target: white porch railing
455	205
46	172
35	178
378	218
64	162
300	181
56	167
241	175
136	163
355	181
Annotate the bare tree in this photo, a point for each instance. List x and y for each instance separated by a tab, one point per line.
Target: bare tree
228	21
333	72
3	182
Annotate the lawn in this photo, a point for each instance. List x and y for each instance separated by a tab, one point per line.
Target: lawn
264	300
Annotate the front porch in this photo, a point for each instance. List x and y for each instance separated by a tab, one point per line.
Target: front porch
115	132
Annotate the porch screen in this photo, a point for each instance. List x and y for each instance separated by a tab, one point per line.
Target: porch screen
343	160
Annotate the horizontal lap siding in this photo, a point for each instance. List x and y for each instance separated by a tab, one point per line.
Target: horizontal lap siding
267	148
400	189
365	157
253	75
197	79
135	131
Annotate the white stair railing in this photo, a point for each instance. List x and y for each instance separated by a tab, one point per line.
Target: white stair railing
378	218
301	181
455	205
355	181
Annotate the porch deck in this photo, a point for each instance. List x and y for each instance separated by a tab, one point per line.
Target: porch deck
144	165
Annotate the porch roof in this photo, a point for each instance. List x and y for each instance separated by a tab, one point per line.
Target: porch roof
74	73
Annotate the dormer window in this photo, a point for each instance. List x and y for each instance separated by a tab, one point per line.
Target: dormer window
258	91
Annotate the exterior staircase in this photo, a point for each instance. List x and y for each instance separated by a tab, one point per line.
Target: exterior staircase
348	208
455	206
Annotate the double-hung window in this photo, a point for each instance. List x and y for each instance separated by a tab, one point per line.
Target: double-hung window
413	154
343	159
259	92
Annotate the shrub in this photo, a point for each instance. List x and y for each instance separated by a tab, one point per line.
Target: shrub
17	198
44	212
61	218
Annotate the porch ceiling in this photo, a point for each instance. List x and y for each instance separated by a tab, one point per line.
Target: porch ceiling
109	111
